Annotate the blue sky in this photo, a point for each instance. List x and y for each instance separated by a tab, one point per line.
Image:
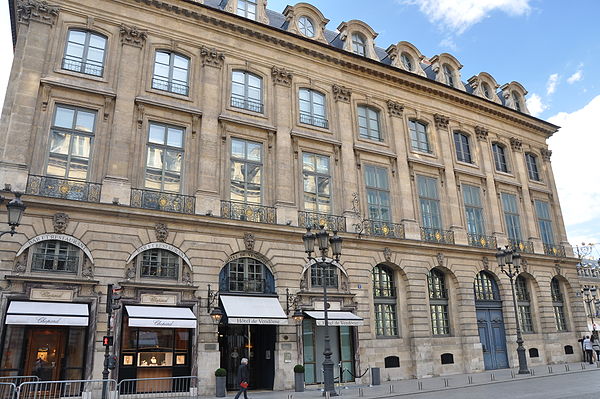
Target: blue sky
552	47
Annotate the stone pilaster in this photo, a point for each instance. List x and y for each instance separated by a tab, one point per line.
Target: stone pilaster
490	197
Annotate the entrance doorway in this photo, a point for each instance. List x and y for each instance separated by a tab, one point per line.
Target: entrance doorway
254	342
45	353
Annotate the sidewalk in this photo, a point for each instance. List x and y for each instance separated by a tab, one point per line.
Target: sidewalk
414	386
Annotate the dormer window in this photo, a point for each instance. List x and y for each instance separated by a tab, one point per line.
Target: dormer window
487	91
449	75
247	8
359	44
306	26
517	101
407	61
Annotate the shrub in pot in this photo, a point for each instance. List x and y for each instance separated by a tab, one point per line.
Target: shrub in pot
221	382
299	378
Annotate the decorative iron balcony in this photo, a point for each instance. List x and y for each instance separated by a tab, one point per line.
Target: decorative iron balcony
170	85
437	235
78	65
522	246
244	103
378	228
482	241
555	250
314	219
169	202
250	212
313	120
58	187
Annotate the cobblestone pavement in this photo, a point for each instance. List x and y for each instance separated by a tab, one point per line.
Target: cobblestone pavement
573	380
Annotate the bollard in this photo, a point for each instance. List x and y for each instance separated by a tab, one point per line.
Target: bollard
391	389
360	393
327	395
567	368
583	366
532	372
420	385
492	377
512	374
549	369
446	383
470	380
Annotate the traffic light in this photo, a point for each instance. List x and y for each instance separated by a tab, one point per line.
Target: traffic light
107	340
112	298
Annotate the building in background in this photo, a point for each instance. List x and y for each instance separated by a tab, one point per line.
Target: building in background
171	146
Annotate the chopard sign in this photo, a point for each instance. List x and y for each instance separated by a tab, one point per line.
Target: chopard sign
163	323
158	299
55	295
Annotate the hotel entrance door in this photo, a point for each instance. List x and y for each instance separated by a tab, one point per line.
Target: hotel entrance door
45	353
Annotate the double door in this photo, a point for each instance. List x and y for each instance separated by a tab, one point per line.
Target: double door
493	338
45	353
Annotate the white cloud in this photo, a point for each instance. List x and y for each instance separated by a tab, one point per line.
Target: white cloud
551	84
459	15
535	105
576	77
575	164
448	43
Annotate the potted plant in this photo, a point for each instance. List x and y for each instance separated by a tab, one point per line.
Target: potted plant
299	378
221	378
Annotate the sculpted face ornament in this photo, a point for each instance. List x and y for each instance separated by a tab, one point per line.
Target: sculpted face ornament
162	232
249	241
60	222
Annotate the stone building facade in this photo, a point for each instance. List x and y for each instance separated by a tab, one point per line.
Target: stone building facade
179	148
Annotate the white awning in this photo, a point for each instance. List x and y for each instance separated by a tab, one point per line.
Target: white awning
253	310
335	318
160	317
47	313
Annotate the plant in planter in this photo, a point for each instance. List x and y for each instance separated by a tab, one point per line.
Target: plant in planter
299	378
221	381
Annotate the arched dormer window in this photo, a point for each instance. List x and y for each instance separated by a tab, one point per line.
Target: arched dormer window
385	299
251	9
485	287
485	86
358	38
306	26
406	56
306	20
517	101
513	94
448	75
438	302
246	275
447	70
84	52
359	45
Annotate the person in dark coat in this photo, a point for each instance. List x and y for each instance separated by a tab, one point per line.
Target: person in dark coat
242	378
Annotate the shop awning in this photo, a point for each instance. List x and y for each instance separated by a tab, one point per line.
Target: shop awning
160	317
253	310
47	313
335	318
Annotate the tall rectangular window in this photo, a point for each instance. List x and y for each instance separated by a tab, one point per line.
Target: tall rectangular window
542	210
246	91
384	298
378	193
164	157
71	137
499	157
317	183
511	216
247	8
171	72
246	171
473	210
419	140
429	202
84	52
463	150
312	108
532	166
368	123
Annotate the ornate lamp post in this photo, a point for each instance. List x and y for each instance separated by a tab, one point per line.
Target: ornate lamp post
589	299
510	263
15	209
323	241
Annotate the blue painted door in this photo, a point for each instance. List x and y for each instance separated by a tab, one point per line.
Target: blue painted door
493	338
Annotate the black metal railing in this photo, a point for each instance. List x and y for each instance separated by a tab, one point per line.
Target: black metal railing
313	120
169	202
57	187
315	219
244	103
554	250
169	85
77	65
378	228
249	212
520	245
437	235
482	241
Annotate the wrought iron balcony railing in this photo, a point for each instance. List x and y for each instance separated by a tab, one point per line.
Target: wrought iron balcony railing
437	235
250	212
522	246
244	103
378	228
170	85
78	65
169	202
554	250
313	120
58	187
482	241
314	219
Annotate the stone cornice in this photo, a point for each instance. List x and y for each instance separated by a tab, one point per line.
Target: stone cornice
352	61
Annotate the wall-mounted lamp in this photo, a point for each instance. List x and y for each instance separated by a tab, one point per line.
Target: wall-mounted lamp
292	303
216	313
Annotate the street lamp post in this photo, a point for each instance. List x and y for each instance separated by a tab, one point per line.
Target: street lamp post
510	263
590	297
323	241
15	209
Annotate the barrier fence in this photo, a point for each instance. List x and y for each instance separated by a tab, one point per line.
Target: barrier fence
84	389
168	387
8	390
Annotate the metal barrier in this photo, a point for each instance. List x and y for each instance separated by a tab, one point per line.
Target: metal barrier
167	387
19	379
84	389
8	390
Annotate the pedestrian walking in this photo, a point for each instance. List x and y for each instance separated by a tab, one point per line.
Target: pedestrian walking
595	346
587	345
242	378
